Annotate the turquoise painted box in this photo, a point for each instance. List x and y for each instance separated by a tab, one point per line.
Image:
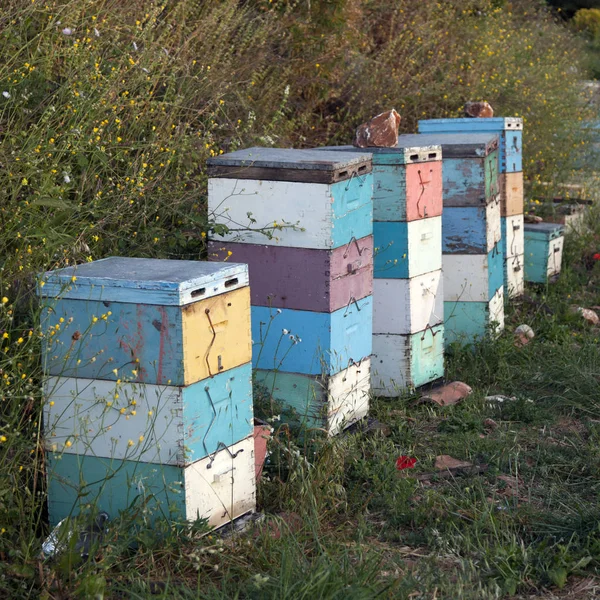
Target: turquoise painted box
402	362
406	249
510	130
145	422
144	320
218	488
329	403
543	251
470	166
467	322
312	343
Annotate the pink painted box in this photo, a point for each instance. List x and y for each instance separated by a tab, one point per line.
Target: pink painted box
303	278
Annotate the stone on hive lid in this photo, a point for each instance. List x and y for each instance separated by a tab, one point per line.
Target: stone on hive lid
380	131
478	110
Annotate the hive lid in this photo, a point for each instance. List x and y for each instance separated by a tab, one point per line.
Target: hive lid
286	164
454	145
144	280
399	154
545	228
467	124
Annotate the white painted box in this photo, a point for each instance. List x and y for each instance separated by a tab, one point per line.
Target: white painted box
515	236
402	306
515	276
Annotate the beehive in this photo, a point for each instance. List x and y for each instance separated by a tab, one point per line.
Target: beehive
311	274
149	375
509	130
543	251
513	248
407	289
510	179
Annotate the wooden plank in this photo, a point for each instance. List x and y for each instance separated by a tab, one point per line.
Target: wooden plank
303	278
514	276
403	306
511	194
301	215
330	341
166	424
144	280
146	342
332	403
219	493
286	164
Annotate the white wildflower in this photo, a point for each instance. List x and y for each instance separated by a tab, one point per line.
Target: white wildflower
284	331
96	32
6	94
67	31
66	178
134	46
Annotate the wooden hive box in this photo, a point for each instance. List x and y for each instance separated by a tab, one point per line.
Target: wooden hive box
543	251
402	362
312	343
407	181
467	321
469	166
509	130
303	278
300	198
406	249
169	425
513	248
471	230
473	277
330	402
218	488
405	306
142	320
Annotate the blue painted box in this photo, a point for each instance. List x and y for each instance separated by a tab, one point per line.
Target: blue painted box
143	320
167	424
312	343
471	230
543	251
470	166
510	130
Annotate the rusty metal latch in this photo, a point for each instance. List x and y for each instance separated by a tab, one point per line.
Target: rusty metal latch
352	301
358	248
433	333
207	359
214	418
222	446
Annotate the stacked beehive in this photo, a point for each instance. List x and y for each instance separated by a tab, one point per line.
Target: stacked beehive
149	389
543	251
471	252
510	132
311	275
408	310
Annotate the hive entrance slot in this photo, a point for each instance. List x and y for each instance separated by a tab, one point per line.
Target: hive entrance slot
362	168
414	157
198	292
432	155
231	282
342	174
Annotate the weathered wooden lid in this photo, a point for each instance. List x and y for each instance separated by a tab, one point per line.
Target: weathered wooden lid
546	230
468	124
287	164
454	145
400	154
144	280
